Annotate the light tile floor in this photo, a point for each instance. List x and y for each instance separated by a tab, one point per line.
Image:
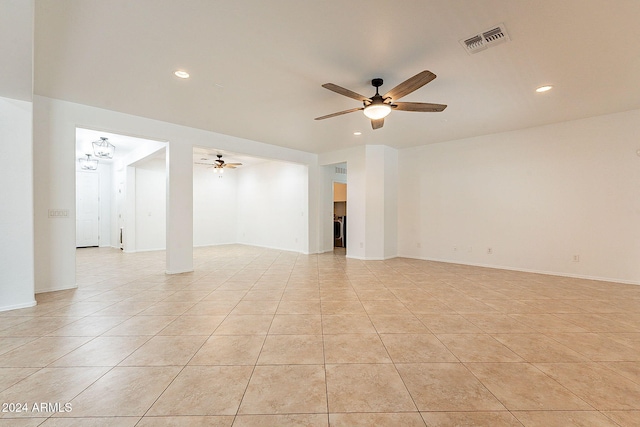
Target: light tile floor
257	337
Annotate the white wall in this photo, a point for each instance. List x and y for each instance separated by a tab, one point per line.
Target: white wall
16	211
214	206
55	124
536	197
150	205
272	207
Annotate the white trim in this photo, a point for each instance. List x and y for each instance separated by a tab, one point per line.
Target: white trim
178	272
18	306
527	270
62	288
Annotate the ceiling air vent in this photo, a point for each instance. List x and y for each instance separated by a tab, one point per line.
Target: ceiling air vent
486	39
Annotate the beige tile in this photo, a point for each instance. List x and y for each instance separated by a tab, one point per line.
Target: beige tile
602	388
539	348
90	326
448	324
212	308
9	343
11	376
385	307
229	350
521	387
498	324
446	387
220	390
478	348
23	422
547	323
598	323
92	422
625	418
298	307
285	389
296	324
41	352
123	391
186	421
347	324
404	419
398	324
292	350
597	347
417	306
165	351
168	308
102	351
51	385
193	325
564	419
342	307
37	326
289	420
470	419
629	370
141	325
416	348
256	307
245	324
367	388
355	348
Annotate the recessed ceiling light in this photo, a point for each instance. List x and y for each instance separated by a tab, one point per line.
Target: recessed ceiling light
357	133
544	88
182	74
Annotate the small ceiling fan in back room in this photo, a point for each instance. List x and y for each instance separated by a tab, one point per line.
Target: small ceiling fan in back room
379	106
219	164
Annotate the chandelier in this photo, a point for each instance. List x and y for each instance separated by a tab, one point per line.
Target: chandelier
103	148
88	164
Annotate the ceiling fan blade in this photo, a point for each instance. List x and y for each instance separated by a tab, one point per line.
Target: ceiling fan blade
200	163
339	113
234	164
409	85
377	124
345	92
228	165
419	106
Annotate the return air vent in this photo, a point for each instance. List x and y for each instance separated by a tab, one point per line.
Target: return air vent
486	39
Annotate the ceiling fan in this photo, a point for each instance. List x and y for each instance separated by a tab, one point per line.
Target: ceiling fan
379	106
219	163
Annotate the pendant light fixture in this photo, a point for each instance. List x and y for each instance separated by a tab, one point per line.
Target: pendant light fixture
88	164
103	148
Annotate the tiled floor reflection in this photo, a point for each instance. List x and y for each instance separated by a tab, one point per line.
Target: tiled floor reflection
258	337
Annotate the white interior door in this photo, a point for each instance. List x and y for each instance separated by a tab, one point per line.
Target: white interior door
87	209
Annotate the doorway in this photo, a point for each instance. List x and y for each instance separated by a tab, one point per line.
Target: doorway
339	215
87	209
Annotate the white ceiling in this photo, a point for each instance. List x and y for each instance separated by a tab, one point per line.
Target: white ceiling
124	144
257	66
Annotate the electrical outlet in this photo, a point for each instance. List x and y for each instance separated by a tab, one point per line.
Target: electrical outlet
470	249
418	245
576	258
455	249
489	251
362	244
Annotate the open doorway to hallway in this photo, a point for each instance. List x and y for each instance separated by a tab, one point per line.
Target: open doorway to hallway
120	192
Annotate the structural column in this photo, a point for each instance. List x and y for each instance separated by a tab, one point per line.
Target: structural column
179	208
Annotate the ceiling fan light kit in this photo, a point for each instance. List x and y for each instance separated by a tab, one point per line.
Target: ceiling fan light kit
379	106
219	165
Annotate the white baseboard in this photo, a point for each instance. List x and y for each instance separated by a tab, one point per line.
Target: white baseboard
179	271
18	306
527	270
60	288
